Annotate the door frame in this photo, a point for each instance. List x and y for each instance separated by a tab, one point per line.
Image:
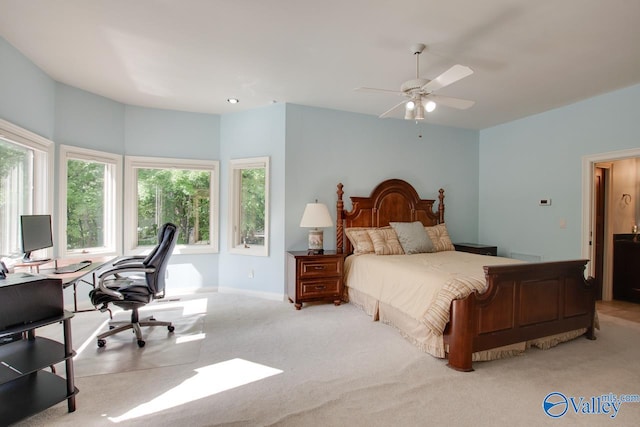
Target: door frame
588	195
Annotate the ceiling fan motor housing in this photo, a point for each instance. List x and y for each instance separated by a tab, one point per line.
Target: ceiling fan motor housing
411	85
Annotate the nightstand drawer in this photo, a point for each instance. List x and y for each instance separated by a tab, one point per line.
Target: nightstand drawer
320	287
320	266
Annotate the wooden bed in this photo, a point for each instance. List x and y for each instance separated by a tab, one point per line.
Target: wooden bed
523	301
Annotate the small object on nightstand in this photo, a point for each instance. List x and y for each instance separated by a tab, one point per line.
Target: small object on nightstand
314	277
476	248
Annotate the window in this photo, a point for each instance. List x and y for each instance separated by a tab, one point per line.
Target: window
26	182
90	202
184	192
249	223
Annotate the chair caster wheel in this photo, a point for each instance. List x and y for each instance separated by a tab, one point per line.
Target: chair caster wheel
111	327
102	343
141	343
171	328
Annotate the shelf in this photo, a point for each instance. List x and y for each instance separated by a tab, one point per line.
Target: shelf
26	384
31	394
26	356
33	325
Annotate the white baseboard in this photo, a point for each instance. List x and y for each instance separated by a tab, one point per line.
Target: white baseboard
257	294
226	290
190	291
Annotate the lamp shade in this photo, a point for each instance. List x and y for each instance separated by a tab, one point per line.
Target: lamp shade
316	215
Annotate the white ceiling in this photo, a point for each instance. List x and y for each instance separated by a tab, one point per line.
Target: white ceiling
191	55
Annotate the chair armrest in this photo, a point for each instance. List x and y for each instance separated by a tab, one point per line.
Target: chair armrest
127	263
125	268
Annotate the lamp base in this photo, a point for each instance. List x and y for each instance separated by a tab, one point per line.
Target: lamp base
315	242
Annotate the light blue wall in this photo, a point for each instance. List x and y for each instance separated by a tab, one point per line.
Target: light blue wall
86	120
27	94
325	147
540	157
165	133
255	133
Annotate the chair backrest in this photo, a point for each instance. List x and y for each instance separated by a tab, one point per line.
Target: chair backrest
159	257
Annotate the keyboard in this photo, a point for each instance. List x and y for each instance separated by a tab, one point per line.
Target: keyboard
72	268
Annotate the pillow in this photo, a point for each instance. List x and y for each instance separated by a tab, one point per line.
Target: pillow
440	238
360	240
413	237
385	241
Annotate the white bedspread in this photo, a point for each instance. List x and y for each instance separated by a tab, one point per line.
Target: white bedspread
420	285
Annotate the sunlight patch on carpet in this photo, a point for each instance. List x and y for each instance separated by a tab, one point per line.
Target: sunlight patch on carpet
209	380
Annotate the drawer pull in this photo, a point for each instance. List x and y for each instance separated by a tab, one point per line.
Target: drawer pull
320	287
318	267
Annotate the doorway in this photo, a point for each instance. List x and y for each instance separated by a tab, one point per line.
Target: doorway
596	203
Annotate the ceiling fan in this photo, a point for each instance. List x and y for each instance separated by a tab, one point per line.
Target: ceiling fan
419	91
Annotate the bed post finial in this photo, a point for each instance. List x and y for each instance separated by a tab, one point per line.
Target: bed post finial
441	205
339	221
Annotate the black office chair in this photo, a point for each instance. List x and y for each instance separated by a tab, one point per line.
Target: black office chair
121	285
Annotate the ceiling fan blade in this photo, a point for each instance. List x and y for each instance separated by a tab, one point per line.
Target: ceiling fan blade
452	75
460	104
390	110
372	89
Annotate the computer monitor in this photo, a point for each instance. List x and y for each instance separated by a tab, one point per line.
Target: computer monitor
36	234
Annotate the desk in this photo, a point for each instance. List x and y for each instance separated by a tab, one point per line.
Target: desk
71	279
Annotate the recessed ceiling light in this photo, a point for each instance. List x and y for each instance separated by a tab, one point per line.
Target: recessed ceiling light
233	100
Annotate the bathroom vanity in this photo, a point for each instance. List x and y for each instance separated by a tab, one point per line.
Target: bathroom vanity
626	267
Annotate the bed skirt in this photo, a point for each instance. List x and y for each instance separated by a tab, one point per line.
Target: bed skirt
421	337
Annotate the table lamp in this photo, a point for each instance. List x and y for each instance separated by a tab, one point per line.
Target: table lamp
316	215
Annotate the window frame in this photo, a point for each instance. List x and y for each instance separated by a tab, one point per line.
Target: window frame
113	201
43	169
235	168
131	163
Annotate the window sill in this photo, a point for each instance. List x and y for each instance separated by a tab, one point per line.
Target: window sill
250	250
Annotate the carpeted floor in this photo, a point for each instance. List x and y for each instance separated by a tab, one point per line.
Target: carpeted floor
263	363
121	353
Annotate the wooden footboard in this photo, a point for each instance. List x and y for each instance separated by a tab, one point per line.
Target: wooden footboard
522	302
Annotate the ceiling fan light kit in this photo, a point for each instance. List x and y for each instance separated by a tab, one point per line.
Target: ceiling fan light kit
429	105
419	91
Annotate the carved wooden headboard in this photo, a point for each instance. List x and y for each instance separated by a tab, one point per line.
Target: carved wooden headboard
391	200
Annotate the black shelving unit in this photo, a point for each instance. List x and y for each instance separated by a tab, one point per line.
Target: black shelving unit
28	383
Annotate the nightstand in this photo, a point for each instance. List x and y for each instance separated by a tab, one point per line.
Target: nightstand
476	248
314	277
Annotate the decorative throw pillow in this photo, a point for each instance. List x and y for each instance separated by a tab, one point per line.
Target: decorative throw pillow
413	237
440	238
385	241
360	240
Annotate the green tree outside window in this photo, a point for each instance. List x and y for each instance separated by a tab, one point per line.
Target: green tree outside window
177	196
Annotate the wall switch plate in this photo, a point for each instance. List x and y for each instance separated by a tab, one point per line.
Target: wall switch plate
545	202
